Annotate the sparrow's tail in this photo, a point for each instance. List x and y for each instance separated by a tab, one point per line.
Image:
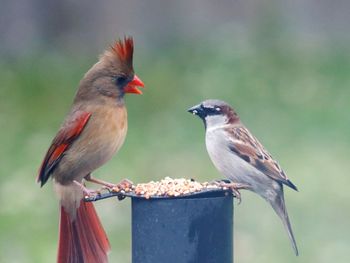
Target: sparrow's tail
280	208
82	239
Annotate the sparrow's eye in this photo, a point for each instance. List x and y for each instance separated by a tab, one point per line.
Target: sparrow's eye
121	81
217	109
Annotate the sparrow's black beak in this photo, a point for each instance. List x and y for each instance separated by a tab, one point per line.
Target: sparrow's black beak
196	110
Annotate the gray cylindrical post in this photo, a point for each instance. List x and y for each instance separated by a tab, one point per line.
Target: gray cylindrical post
195	229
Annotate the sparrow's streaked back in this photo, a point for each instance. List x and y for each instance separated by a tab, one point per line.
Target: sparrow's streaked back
239	156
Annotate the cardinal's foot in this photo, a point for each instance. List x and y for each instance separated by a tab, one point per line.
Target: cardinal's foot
107	185
87	192
124	185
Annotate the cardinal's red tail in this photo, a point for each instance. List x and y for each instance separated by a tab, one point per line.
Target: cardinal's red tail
82	240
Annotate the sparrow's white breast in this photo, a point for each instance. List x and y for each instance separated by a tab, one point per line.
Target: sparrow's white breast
233	167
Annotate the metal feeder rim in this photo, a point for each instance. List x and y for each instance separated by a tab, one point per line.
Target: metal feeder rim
209	193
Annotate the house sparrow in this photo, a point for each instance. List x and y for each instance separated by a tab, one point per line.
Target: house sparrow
93	130
240	157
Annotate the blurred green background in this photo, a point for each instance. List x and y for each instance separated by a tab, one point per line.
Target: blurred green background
283	65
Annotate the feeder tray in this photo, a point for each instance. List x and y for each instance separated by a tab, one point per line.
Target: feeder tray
166	188
188	228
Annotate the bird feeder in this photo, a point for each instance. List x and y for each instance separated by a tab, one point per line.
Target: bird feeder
196	228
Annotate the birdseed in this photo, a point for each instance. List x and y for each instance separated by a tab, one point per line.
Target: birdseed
168	187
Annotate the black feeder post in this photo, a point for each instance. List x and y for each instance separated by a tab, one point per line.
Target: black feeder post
195	228
192	229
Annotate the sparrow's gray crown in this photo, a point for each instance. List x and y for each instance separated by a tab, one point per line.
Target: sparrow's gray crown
215	111
214	103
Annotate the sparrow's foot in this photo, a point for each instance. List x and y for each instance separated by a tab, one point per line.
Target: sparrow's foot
234	187
219	181
87	192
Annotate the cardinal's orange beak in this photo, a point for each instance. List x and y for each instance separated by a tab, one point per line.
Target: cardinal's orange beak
132	86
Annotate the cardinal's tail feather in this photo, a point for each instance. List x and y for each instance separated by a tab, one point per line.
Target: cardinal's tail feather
82	239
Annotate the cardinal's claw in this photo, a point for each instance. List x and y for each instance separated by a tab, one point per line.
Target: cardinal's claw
124	184
89	178
87	192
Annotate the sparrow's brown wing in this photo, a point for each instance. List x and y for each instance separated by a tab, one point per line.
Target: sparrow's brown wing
247	147
69	132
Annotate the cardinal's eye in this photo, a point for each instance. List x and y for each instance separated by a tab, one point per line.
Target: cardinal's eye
121	81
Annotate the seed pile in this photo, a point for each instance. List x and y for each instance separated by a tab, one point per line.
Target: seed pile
169	187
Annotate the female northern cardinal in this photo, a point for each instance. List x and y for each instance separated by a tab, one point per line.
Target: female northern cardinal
94	129
239	156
